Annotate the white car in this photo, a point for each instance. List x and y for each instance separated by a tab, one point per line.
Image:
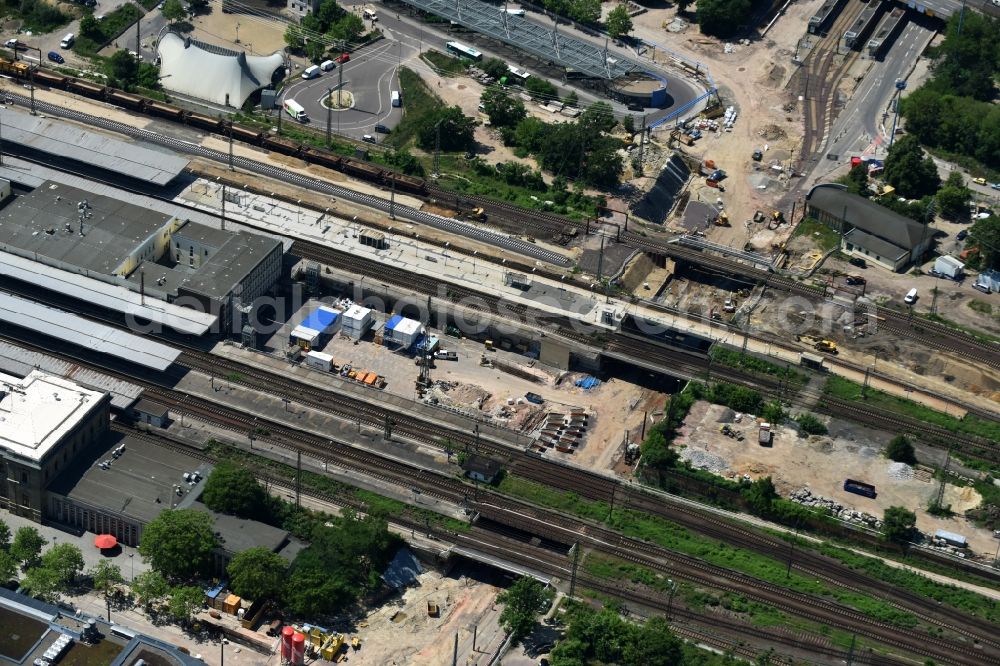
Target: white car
11	43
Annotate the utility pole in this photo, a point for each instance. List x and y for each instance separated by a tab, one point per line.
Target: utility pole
944	476
437	149
575	553
392	204
231	145
340	94
854	638
642	143
329	114
138	42
600	259
454	652
223	206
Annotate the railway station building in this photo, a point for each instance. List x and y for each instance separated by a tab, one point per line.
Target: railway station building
868	230
46	423
156	255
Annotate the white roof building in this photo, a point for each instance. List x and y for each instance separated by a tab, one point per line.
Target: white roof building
38	411
213	73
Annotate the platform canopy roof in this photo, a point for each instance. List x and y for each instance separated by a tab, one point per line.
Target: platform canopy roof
212	73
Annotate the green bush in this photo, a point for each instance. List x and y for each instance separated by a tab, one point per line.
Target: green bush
811	425
38	16
900	449
99	33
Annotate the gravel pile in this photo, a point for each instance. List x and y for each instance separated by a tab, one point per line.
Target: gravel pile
900	471
704	460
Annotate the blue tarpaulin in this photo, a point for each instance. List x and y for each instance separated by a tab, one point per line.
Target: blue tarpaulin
393	322
403	570
320	320
588	382
214	592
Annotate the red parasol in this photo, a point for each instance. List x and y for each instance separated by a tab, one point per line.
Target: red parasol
105	541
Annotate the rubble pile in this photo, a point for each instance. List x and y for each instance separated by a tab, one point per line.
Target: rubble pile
806	498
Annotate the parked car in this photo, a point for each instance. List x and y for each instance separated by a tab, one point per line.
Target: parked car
855	280
961	235
857	261
342	58
14	44
56	58
381	129
368	138
995	186
979	181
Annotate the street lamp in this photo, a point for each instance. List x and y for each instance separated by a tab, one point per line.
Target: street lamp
131	562
670	599
237	32
222	650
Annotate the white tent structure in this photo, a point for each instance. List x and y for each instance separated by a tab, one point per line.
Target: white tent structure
211	73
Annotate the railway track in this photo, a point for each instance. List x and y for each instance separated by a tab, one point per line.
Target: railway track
451	490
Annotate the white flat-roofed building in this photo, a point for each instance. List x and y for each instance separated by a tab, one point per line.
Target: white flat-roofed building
357	320
45	421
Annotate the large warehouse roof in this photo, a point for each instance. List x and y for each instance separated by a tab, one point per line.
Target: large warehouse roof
66	140
212	73
105	295
75	330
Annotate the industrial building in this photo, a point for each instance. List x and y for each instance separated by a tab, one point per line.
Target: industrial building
316	329
402	331
158	256
868	230
357	320
47	423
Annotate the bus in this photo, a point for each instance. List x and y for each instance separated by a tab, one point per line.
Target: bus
295	110
463	51
519	73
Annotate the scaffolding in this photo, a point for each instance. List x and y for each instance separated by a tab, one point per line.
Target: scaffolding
542	41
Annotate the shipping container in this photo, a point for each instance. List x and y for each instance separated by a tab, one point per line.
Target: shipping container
860	488
319	361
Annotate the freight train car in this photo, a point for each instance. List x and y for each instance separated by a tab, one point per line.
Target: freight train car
164	110
85	88
134	102
49	78
15	69
247	134
205	122
279	145
406	183
323	158
362	169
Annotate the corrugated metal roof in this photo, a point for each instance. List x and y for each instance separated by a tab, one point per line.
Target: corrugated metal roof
84	333
305	333
20	361
105	295
59	137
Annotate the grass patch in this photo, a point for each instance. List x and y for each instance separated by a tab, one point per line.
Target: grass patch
845	389
420	103
669	535
981	307
825	237
39	16
976	333
734	359
442	63
113	24
373	503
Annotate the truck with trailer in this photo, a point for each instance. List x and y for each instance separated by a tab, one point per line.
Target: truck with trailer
860	488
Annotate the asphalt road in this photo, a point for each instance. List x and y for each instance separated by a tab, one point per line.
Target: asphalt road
370	75
863	126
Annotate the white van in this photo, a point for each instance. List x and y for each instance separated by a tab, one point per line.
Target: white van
911	296
67	41
311	72
395	98
370	15
327	65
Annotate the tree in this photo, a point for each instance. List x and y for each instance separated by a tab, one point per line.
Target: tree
42	583
898	524
257	573
954	197
456	130
89	26
619	22
900	449
185	601
179	543
121	66
571	98
347	28
654	645
909	171
656	452
106	575
540	89
65	560
722	18
585	11
598	118
856	180
27	546
4	536
293	37
8	567
760	495
985	235
682	5
502	109
522	602
773	412
173	10
811	425
150	586
494	67
234	490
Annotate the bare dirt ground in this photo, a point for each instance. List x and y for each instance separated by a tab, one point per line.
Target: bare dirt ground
258	35
751	78
794	462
